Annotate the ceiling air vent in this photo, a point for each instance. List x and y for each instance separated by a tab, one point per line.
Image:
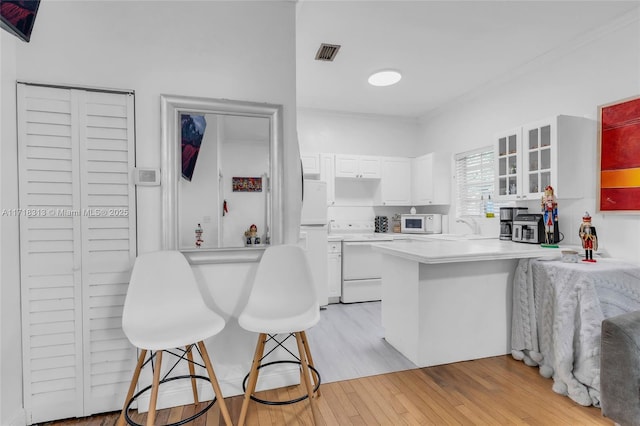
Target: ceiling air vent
327	52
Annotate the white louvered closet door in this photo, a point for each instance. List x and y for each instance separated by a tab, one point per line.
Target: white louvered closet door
77	246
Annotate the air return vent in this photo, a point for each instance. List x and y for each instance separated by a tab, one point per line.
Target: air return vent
327	52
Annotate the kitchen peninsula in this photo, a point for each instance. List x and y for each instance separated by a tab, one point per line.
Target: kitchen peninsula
449	299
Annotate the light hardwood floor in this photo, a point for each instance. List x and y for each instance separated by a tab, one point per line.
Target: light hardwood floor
489	391
367	382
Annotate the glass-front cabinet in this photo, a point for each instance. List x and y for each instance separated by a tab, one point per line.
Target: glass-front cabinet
508	152
558	151
538	170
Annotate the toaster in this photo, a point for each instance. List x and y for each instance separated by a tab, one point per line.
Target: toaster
528	228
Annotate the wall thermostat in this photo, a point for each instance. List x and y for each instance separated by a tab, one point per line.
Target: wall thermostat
147	177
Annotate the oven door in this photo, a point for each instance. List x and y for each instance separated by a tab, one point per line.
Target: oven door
361	272
360	261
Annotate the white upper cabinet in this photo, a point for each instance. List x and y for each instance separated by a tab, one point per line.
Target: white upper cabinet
357	166
558	151
508	152
328	175
310	164
395	182
431	179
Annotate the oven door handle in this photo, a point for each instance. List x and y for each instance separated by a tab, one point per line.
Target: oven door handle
360	243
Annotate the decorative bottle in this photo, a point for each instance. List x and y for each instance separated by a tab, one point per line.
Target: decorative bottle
199	240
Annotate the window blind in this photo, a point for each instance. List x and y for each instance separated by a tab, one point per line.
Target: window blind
474	180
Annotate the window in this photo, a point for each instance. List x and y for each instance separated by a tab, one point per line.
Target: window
474	181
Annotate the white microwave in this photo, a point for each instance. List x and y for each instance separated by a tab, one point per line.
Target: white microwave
421	223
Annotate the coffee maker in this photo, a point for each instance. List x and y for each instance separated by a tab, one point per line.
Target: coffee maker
507	214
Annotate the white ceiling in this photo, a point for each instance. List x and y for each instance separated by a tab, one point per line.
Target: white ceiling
444	49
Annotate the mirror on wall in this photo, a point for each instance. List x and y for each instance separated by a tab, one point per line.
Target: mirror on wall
221	177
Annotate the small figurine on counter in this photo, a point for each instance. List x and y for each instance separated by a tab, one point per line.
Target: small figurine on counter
199	239
589	238
251	235
550	216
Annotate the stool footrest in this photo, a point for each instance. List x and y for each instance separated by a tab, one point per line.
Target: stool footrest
291	401
181	422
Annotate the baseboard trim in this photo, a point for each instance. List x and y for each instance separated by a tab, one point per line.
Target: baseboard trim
18	419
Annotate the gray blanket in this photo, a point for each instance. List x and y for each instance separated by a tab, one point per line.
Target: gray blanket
558	309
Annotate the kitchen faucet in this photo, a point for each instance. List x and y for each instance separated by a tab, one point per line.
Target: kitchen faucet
471	222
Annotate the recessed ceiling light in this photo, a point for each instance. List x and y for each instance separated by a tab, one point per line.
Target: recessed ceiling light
384	78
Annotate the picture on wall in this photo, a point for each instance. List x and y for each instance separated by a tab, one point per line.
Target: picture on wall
619	148
247	184
192	131
18	17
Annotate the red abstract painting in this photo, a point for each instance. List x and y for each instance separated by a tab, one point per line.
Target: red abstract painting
620	156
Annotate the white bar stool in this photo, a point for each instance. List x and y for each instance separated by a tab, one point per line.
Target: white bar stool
164	310
283	300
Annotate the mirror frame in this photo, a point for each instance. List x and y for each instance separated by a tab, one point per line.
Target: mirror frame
171	106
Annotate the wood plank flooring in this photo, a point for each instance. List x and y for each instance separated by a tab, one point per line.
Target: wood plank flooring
489	391
347	345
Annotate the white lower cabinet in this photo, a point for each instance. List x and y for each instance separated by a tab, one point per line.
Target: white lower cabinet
77	246
334	276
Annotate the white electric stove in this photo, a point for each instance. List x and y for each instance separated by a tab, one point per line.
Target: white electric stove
361	270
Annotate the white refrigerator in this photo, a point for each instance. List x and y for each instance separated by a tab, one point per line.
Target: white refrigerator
313	235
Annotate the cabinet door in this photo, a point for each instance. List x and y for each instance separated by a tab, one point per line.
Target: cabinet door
327	174
431	179
335	276
347	166
421	182
508	147
539	145
310	164
369	167
395	182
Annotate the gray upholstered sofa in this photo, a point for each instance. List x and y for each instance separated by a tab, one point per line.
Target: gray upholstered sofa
620	369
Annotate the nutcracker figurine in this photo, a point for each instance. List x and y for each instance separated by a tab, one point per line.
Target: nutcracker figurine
550	216
589	238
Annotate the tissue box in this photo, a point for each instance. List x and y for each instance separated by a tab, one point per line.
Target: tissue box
570	256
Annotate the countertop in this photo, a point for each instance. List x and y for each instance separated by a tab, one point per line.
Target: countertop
451	249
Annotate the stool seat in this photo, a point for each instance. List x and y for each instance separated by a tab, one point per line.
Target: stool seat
271	322
177	330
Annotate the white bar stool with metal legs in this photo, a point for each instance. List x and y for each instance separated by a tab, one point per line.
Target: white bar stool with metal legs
283	300
164	313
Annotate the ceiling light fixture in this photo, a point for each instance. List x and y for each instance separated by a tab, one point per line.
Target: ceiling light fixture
384	78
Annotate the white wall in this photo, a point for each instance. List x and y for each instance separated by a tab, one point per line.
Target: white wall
10	331
346	133
573	80
208	49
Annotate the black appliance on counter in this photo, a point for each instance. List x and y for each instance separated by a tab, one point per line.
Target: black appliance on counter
507	214
528	228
